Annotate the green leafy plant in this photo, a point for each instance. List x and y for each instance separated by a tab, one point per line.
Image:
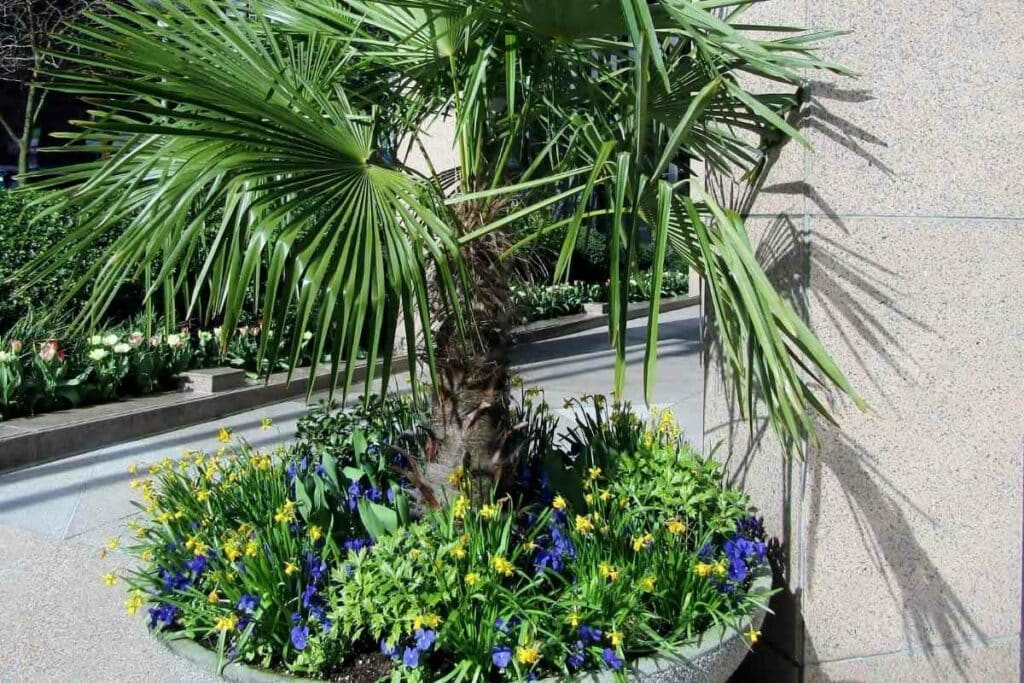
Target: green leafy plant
551	101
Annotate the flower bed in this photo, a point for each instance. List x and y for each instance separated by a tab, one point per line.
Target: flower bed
47	375
543	302
618	543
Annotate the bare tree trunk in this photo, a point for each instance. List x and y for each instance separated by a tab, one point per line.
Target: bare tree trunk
26	129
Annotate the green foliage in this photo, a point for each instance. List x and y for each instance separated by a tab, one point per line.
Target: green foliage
22	239
610	562
542	302
236	546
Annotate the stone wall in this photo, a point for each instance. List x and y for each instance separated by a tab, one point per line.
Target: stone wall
900	238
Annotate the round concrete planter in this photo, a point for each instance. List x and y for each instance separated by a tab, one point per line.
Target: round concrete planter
712	659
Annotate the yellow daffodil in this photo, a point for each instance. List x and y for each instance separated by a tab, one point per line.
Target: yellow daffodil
251	547
529	546
134	602
675	526
213	598
720	568
501	565
642	542
315	533
110	579
232	551
752	635
583	524
428	620
225	624
460	507
113	543
133	469
558	503
489	511
456	477
574	619
147	555
202	495
589	498
647	584
606	495
290	568
528	655
459	552
608	571
703	569
224	435
593	473
472	579
266	423
615	638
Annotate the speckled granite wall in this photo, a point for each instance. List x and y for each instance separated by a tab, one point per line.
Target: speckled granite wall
901	238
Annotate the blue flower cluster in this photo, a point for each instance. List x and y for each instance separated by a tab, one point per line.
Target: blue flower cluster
590	636
554	547
162	614
421	641
312	604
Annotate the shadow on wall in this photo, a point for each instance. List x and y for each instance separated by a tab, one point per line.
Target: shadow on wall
931	611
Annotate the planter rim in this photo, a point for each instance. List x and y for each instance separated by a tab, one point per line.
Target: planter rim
639	669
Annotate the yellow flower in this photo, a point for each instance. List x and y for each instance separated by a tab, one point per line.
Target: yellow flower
752	635
110	579
642	542
315	533
147	555
615	637
558	503
232	551
290	568
224	435
703	569
163	517
459	552
647	583
460	507
286	513
265	423
501	565
113	543
593	473
574	619
456	476
608	571
529	546
528	655
489	511
228	623
213	598
428	620
251	547
583	524
202	495
134	602
606	495
720	568
472	579
133	469
589	498
675	526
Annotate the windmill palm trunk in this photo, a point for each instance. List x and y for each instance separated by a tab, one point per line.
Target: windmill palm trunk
470	411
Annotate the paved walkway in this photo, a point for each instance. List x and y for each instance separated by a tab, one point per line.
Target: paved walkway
58	622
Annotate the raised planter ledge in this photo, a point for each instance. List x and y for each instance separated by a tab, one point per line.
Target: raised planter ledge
570	324
51	436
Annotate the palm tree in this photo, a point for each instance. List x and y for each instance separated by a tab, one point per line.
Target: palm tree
264	144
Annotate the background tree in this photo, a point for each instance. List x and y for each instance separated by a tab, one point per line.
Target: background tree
28	30
289	119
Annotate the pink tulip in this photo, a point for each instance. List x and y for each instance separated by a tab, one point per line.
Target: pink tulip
50	351
15	346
